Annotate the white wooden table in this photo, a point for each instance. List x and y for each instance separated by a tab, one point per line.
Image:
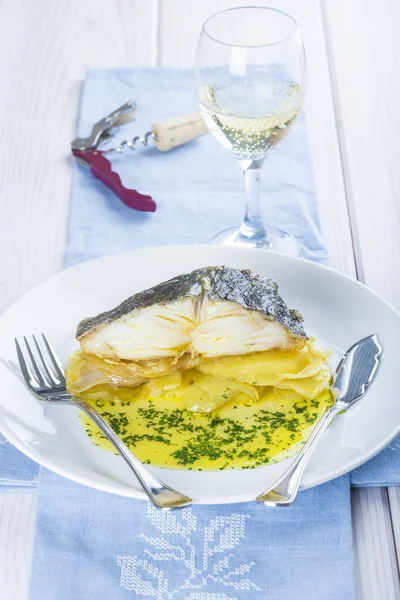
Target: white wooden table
353	122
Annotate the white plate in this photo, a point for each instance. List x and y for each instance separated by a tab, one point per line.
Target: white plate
337	310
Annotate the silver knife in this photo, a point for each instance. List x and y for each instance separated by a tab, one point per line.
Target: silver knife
353	375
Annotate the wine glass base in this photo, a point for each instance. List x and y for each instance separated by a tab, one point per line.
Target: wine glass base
274	240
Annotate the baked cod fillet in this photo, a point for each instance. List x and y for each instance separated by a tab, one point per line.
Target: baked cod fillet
215	311
192	322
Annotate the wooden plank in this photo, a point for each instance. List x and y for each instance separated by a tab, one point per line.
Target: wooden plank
394	504
45	50
17	523
329	158
376	565
365	54
94	21
177	47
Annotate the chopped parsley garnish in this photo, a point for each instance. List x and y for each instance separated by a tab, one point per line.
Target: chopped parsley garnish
207	437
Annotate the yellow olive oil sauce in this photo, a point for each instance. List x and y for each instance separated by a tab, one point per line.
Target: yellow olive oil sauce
239	434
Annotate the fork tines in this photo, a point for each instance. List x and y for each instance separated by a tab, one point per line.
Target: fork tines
40	366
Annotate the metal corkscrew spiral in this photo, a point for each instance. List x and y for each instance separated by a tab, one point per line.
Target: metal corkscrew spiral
131	144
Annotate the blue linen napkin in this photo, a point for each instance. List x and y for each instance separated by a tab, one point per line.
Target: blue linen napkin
199	190
382	470
96	545
17	471
101	546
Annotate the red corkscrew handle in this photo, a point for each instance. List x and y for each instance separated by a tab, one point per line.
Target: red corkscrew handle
101	168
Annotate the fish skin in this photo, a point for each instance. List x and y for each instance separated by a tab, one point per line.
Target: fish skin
251	291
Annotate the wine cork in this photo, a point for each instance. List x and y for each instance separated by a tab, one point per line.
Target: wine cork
174	132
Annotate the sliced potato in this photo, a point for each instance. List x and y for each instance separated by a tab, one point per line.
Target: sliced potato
205	393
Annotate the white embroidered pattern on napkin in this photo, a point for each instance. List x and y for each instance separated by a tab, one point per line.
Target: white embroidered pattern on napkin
220	537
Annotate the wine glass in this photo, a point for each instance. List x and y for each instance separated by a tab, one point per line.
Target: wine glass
250	83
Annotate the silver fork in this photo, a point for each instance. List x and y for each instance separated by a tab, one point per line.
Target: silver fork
44	376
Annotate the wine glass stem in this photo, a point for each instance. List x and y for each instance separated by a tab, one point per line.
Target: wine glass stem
252	227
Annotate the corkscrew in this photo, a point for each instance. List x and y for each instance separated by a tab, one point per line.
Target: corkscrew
166	134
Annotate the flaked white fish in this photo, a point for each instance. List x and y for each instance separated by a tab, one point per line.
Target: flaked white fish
214	311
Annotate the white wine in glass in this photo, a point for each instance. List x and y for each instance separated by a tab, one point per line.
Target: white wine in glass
250	80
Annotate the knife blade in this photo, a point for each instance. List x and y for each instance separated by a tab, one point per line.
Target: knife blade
354	374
